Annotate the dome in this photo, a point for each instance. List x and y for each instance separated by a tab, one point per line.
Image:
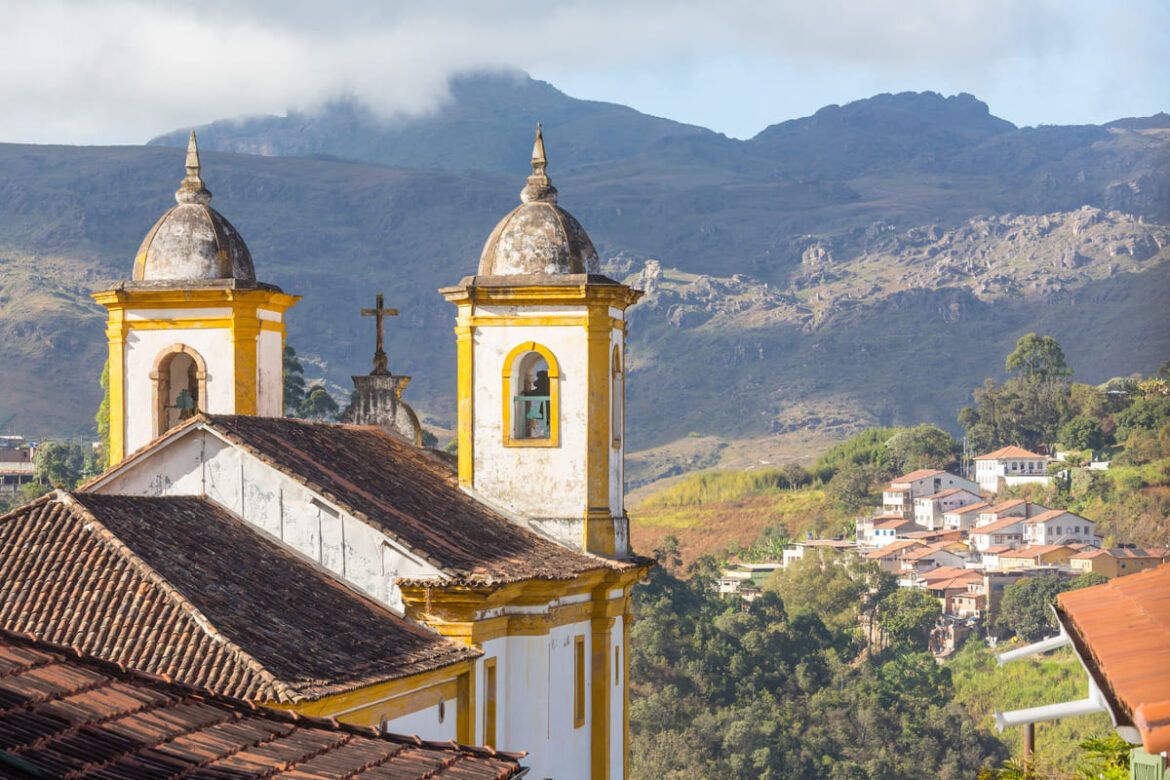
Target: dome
538	236
193	241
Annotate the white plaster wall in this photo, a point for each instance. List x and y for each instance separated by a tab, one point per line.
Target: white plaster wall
270	369
200	463
617	681
176	314
533	481
143	348
425	723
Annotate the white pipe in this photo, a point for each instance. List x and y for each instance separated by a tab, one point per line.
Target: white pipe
1043	646
1066	709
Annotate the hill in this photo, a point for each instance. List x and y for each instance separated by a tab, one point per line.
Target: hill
866	265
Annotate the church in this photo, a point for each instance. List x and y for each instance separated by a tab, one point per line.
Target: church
345	571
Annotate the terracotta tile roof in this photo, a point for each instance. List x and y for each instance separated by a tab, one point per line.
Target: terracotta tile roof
947	572
1034	551
409	494
914	476
998	549
924	552
958	581
891	549
1006	505
893	523
966	510
179	586
1008	452
1052	514
66	715
1125	552
1121	630
997	525
943	494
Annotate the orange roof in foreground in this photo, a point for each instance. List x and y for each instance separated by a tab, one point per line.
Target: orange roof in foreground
1008	452
1122	633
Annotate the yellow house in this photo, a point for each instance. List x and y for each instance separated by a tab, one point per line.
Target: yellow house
1036	555
1119	561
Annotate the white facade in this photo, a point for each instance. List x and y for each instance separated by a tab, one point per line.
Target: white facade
1009	532
929	510
1012	470
1056	527
547	487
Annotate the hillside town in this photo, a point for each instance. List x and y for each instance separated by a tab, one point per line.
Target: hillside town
963	542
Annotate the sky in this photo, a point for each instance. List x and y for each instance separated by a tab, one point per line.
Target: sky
120	72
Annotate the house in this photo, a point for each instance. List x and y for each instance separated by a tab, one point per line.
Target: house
796	551
16	466
1035	556
1119	561
898	497
1007	531
889	557
918	560
1059	526
946	583
495	590
929	510
989	558
1010	466
883	529
1016	507
746	579
963	518
970	604
93	718
1118	631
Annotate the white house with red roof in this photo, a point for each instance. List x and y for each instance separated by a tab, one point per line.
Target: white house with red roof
898	497
1059	526
1009	466
1007	531
965	517
929	510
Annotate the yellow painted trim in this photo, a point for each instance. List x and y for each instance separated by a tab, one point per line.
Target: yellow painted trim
554	393
465	393
212	323
245	334
599	531
616	372
491	699
601	635
194	298
618	296
552	321
578	681
627	621
116	339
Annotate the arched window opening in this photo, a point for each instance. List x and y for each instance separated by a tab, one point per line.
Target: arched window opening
617	397
180	386
530	397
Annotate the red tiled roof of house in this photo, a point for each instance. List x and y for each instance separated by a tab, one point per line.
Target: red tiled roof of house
944	494
926	551
1051	514
998	549
1004	506
892	548
1121	631
1158	553
893	523
179	586
65	714
957	581
997	525
1034	551
948	572
1010	451
914	476
966	510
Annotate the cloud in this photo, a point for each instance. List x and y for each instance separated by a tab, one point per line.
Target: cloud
124	70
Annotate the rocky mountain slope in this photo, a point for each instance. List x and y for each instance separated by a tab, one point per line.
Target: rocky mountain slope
870	263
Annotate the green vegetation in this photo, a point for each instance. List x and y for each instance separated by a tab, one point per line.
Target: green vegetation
1026	606
781	691
102	417
312	402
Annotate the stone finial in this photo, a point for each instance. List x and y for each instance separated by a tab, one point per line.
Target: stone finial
192	189
539	186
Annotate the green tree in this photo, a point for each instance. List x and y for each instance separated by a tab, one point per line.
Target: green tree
850	488
318	404
922	447
1081	433
1025	608
63	464
1144	414
908	615
1038	357
102	418
294	382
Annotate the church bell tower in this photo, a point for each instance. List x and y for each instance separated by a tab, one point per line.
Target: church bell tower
541	353
192	330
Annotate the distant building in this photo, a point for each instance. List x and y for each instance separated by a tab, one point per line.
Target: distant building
1036	556
929	510
796	551
898	497
1010	466
16	465
1119	561
746	580
1058	526
963	518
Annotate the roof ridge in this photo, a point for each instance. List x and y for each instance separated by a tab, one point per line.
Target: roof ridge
279	687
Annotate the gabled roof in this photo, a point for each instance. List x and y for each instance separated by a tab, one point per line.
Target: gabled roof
1159	553
893	548
914	476
926	551
998	549
1035	551
1011	451
948	573
966	510
1121	631
893	523
1004	506
408	494
180	586
1051	514
66	714
997	525
956	581
945	493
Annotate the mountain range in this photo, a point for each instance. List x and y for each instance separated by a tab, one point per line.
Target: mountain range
871	263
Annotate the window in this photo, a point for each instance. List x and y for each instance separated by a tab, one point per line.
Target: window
531	396
617	666
179	380
579	682
616	397
489	702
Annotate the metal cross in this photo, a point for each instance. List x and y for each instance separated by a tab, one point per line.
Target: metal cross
381	363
